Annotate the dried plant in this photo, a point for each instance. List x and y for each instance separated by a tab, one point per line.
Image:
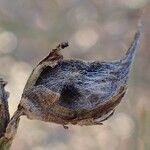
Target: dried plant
68	92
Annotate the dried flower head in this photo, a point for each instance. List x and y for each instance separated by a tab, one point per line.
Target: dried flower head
75	91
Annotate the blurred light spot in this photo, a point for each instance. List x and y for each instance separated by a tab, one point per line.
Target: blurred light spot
65	3
83	141
38	148
36	136
123	125
107	139
85	14
19	73
6	61
8	42
56	146
114	28
40	23
86	38
134	3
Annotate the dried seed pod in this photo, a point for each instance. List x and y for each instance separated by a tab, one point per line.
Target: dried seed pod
4	113
75	91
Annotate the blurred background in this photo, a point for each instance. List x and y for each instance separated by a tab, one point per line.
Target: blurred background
96	30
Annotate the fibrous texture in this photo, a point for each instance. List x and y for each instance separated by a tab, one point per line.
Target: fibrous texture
75	91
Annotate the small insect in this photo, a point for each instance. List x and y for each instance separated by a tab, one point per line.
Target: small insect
75	91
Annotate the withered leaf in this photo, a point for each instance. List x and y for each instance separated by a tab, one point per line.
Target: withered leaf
75	91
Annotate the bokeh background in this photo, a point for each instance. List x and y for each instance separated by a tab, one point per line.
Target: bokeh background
96	30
